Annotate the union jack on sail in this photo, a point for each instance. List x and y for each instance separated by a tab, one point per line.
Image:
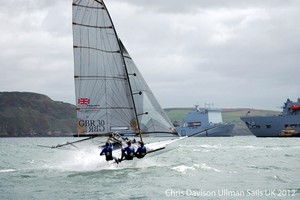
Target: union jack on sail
84	101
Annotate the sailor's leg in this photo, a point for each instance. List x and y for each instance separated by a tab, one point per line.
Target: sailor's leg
116	160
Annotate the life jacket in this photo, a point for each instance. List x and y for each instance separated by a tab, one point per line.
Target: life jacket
129	153
141	152
108	153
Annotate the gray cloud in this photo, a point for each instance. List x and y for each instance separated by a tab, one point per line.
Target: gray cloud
37	48
233	53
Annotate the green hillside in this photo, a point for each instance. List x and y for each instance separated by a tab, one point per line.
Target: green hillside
177	113
24	114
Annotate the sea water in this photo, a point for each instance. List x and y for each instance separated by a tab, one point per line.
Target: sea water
242	167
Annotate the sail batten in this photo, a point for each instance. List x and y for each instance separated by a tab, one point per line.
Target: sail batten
99	77
88	6
93	48
90	26
107	108
128	57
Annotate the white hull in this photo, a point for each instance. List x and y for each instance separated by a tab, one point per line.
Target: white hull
155	148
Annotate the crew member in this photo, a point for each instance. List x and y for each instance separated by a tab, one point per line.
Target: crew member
128	152
141	151
107	151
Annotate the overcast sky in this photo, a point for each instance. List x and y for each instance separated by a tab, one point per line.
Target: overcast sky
233	53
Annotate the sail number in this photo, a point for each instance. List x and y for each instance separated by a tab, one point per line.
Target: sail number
92	125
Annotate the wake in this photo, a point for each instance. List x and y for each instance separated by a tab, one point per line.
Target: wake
89	160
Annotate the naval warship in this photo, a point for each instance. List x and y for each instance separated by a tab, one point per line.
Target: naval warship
206	123
287	124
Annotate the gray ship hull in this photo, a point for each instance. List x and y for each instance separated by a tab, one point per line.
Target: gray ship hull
273	126
217	130
205	123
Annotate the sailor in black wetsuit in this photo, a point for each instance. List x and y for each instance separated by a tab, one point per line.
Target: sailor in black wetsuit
128	152
107	151
141	151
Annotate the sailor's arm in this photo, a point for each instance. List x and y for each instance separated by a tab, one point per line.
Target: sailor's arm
102	152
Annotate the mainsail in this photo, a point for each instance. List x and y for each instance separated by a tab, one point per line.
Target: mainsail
111	94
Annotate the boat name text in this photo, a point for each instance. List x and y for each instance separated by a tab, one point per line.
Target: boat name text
92	125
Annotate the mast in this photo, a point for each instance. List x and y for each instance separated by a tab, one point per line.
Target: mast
127	74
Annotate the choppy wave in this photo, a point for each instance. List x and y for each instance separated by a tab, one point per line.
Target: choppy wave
219	146
7	170
82	160
201	163
248	147
184	169
276	177
216	146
